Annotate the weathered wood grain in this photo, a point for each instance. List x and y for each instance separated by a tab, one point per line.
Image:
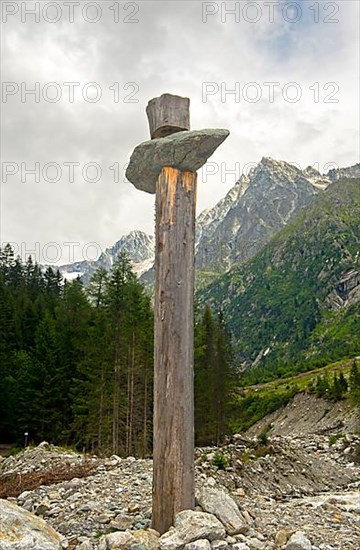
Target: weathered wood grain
168	114
173	481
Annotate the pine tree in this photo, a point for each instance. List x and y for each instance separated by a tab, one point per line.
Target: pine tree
71	319
116	301
75	366
97	287
224	379
336	390
214	379
204	383
343	384
354	383
322	385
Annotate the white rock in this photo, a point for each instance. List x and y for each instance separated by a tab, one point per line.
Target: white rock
255	543
191	526
21	530
119	539
217	501
298	541
125	539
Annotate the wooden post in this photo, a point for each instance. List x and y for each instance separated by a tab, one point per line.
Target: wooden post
173	471
167	167
167	115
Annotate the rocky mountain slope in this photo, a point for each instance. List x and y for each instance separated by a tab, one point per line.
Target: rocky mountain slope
256	208
253	211
138	246
300	294
306	415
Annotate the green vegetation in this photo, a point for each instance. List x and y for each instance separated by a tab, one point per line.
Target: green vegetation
354	384
252	407
75	365
220	460
215	379
263	436
254	402
279	306
334	438
335	389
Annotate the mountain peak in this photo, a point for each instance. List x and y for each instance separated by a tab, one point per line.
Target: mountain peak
254	209
269	161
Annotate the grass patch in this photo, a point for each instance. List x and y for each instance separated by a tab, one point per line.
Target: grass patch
334	438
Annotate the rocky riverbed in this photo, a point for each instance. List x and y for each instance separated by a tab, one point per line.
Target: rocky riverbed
298	493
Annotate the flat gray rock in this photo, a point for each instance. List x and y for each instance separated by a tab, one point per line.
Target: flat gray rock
188	150
202	544
215	500
298	541
191	526
127	540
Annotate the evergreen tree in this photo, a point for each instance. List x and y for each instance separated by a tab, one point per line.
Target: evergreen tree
97	286
322	386
214	379
343	384
354	383
112	394
72	317
336	390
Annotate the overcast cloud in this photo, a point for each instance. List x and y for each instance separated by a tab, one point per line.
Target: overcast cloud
176	47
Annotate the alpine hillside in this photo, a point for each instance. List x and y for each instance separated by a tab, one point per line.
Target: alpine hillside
296	304
256	208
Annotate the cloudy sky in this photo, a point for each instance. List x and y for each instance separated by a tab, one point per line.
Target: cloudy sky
293	68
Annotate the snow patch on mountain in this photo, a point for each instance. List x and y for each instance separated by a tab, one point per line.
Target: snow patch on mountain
256	207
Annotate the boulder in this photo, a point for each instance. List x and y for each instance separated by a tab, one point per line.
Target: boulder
129	540
22	530
217	501
186	151
282	536
298	541
119	539
191	526
148	538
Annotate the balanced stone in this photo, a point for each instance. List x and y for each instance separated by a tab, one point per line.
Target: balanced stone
186	151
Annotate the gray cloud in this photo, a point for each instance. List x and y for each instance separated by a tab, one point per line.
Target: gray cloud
170	49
